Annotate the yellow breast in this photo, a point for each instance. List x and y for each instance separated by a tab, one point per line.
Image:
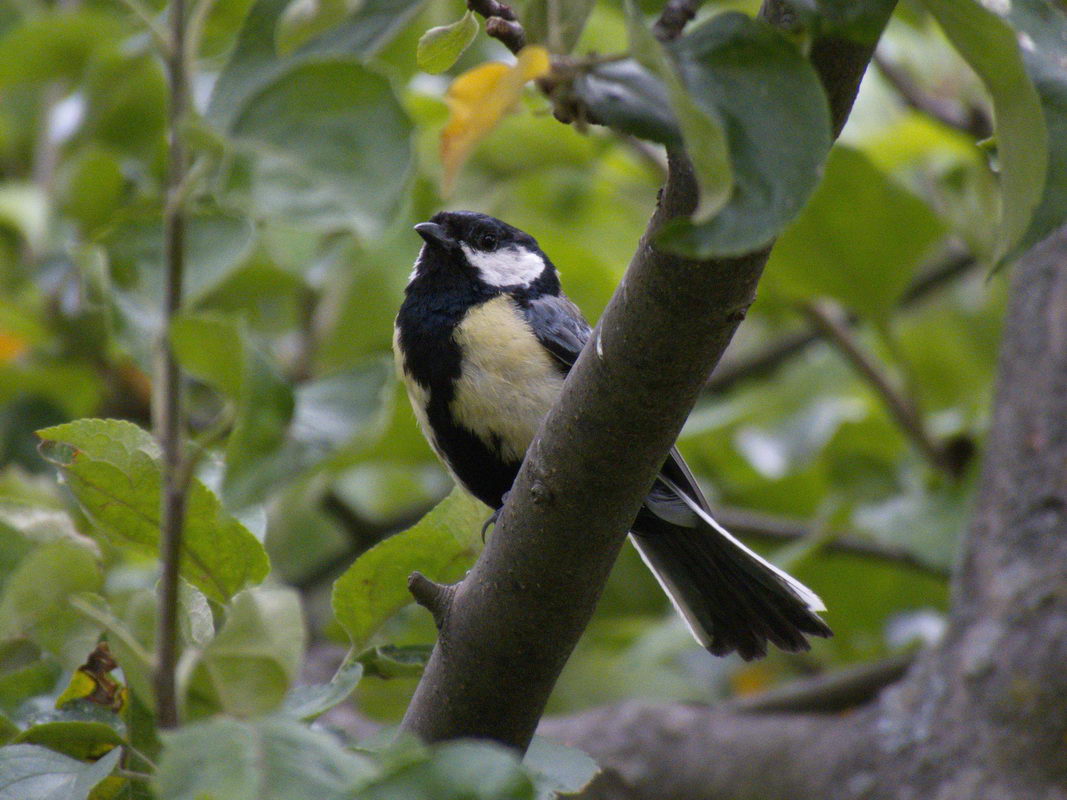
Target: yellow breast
508	381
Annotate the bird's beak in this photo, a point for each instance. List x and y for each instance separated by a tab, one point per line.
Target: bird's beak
435	235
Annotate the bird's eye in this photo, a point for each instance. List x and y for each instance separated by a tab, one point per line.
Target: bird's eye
487	241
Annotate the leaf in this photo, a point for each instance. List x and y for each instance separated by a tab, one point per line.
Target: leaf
775	112
862	21
250	664
54	44
557	24
989	46
457	771
440	48
266	759
442	545
35	599
303	20
393	661
216	245
701	127
132	656
255	61
77	739
24	210
477	101
29	772
308	702
113	469
859	239
557	768
1042	30
331	146
628	98
217	350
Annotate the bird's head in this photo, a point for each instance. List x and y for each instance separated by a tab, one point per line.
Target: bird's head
466	245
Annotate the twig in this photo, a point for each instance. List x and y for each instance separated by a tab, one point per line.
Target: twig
829	320
775	353
169	422
772	528
836	691
500	23
676	14
971	120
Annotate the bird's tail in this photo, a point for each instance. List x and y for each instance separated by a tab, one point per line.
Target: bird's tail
730	598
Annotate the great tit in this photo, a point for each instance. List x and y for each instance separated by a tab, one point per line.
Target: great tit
483	341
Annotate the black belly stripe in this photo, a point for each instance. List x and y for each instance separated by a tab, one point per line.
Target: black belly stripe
427	319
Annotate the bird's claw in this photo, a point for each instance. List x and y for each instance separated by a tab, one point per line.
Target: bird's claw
495	515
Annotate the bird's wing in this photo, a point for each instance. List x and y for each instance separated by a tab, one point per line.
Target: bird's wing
558	325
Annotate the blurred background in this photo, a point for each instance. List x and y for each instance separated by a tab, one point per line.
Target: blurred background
839	434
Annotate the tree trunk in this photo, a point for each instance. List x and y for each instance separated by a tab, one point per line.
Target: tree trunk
982	716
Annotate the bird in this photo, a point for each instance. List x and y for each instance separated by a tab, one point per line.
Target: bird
483	341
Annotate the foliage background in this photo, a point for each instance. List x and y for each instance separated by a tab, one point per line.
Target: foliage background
315	144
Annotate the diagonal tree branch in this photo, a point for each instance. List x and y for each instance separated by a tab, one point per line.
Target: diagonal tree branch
981	715
514	620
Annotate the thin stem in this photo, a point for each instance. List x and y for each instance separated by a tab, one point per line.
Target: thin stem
829	319
970	120
169	419
760	526
775	353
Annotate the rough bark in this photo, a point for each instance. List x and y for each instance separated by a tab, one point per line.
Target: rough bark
508	628
982	716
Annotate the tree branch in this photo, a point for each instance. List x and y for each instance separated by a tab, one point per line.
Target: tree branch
519	612
972	121
169	425
829	320
992	693
772	355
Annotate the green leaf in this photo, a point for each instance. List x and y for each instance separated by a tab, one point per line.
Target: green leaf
308	702
701	125
35	599
217	350
113	469
250	664
216	245
255	61
457	771
558	769
628	98
8	730
24	210
989	45
331	146
442	546
557	24
29	772
773	107
75	738
1044	26
266	759
53	45
859	239
440	48
303	20
395	661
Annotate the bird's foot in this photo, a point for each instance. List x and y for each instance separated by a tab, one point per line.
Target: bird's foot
495	515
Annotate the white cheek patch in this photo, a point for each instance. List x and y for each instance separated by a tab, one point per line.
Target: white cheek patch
509	267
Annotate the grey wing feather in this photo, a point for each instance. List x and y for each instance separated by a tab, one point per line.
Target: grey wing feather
558	325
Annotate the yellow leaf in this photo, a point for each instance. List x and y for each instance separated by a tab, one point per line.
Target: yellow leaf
81	685
477	101
11	346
